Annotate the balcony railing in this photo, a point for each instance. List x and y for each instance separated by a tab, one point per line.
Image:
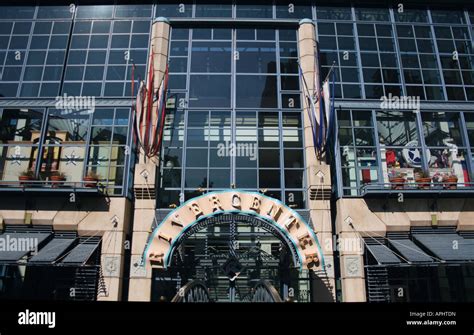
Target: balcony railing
417	188
52	185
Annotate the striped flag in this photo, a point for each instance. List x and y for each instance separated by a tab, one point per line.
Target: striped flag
149	121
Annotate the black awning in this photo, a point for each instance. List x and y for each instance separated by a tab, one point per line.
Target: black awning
55	248
383	254
81	253
448	247
14	246
410	251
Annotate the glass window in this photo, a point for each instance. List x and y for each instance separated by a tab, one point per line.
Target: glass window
372	14
269	178
209	8
133	10
440	128
94	12
411	15
256	91
446	157
209	91
447	16
210	57
18	125
256	57
246	10
396	128
170	9
297	10
333	13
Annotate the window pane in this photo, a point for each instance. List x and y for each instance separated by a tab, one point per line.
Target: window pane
254	11
441	129
256	57
211	8
256	91
396	128
246	179
269	178
65	126
210	57
209	91
219	178
20	125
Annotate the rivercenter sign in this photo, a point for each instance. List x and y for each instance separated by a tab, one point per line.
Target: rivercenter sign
288	222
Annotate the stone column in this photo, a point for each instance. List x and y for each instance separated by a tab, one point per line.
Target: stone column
307	60
145	179
116	223
353	218
318	175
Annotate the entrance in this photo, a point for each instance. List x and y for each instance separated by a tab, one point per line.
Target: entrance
232	258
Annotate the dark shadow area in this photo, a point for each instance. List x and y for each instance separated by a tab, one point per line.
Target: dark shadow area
56	202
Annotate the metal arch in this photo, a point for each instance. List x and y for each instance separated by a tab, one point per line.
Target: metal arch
246	218
195	291
264	291
167	258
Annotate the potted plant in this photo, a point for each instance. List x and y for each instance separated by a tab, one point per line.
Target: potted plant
450	181
91	179
26	176
57	179
397	180
423	180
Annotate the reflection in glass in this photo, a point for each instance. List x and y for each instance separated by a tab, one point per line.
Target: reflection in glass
210	57
256	91
209	91
396	128
256	57
441	129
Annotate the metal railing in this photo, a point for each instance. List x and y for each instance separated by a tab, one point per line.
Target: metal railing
417	187
35	184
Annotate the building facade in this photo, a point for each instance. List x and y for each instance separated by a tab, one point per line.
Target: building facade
239	205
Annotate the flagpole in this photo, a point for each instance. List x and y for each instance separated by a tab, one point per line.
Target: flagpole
330	71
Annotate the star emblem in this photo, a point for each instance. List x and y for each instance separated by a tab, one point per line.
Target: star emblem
16	159
71	159
414	155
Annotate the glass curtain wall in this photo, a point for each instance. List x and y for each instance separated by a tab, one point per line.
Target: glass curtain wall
235	119
428	150
44	143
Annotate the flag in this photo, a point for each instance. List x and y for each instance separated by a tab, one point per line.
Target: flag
149	121
330	105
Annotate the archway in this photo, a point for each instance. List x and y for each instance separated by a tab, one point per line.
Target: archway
231	241
288	222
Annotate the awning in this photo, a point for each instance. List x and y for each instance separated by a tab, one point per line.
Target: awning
81	253
383	254
55	248
448	247
410	251
14	246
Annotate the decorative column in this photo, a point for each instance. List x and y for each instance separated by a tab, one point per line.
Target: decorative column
318	175
352	220
145	178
